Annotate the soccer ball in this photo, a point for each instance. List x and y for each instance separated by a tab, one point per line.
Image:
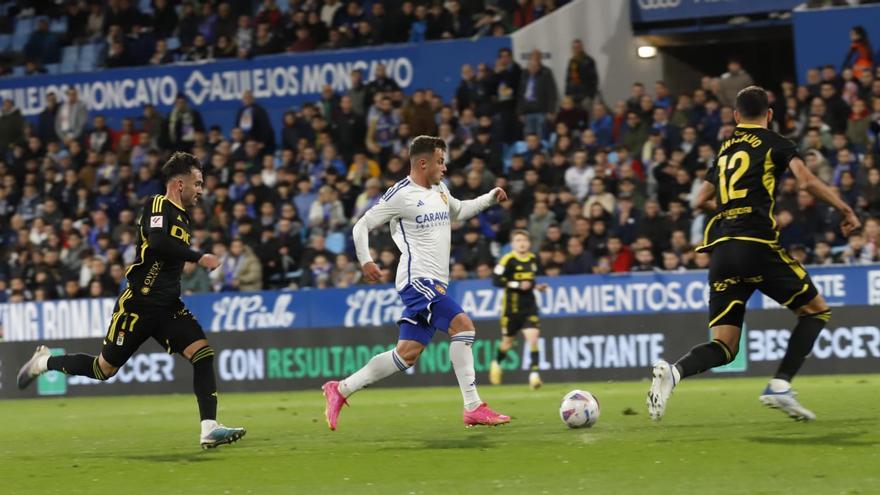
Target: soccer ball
579	409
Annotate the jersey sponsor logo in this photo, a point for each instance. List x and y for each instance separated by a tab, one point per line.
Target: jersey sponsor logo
150	279
658	4
432	217
181	234
156	222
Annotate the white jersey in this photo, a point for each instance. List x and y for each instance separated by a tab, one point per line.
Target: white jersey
420	221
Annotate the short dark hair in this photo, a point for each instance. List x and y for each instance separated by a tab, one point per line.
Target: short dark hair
179	164
425	144
751	102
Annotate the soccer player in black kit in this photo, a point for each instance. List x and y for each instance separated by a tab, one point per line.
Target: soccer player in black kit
745	255
150	306
516	272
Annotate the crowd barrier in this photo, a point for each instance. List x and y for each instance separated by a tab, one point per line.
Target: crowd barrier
571	350
367	306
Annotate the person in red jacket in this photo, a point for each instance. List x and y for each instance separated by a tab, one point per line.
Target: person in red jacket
619	254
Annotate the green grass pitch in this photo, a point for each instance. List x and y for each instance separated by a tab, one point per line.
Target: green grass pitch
716	439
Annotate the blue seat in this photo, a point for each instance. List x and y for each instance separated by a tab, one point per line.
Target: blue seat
24	25
53	68
173	43
58	25
69	54
67	67
19	40
5	42
88	57
18	71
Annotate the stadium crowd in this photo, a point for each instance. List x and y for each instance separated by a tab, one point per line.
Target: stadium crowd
131	33
602	187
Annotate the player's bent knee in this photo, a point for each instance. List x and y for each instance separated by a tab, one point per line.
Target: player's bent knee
204	354
815	306
106	369
461	323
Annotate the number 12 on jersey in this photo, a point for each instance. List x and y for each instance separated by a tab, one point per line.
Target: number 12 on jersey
739	163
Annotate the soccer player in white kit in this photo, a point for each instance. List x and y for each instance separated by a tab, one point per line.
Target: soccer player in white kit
419	210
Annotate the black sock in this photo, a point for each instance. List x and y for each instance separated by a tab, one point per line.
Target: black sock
204	383
500	356
703	357
535	360
77	364
801	343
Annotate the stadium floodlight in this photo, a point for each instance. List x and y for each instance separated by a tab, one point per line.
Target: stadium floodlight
647	51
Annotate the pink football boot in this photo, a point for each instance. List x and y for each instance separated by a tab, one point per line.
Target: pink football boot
333	401
484	416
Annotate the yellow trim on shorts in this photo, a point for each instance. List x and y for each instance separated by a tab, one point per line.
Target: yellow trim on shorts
727	310
791	299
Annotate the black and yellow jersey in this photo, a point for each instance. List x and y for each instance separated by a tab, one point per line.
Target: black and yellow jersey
162	249
745	176
510	271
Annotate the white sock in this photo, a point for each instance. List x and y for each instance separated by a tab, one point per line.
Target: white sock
43	364
462	357
676	376
381	366
208	425
779	385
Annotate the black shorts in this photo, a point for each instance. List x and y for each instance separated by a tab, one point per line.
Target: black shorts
738	268
512	324
174	328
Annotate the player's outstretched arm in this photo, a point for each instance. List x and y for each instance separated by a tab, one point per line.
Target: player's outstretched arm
815	186
462	210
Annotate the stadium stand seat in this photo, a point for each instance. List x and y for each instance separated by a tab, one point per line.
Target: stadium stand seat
5	42
18	71
88	57
335	243
24	26
58	25
53	68
173	43
19	40
69	54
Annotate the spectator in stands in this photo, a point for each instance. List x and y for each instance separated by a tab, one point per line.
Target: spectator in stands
537	99
12	125
161	55
183	124
326	213
244	37
382	128
194	280
240	268
164	18
72	117
254	121
735	79
265	42
581	76
43	45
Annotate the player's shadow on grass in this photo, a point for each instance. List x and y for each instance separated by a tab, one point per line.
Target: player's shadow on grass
468	442
182	457
835	439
